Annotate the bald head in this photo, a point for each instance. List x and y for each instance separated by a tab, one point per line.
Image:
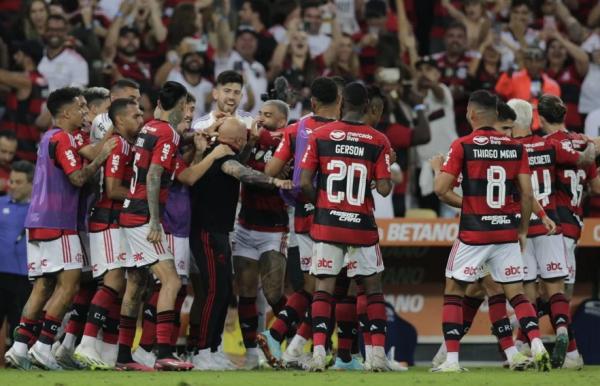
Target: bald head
233	133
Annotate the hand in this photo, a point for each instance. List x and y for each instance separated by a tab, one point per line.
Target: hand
549	224
436	162
596	142
522	240
283	184
87	14
253	133
200	141
214	128
127	7
107	148
155	234
221	151
369	40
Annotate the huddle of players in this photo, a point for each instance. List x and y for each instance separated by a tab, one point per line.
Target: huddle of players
140	223
520	221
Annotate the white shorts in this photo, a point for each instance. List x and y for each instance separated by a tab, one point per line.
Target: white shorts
467	262
292	239
252	244
570	245
143	252
84	239
329	259
108	251
180	248
64	253
305	245
544	256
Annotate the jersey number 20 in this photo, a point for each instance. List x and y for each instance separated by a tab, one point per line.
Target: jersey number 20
340	171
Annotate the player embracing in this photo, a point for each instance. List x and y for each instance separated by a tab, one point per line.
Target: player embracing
348	156
325	103
494	170
570	184
153	169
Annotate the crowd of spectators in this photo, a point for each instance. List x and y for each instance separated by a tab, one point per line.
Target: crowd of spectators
425	55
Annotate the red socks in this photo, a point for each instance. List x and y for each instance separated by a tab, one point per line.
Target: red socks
345	314
321	317
363	318
291	314
526	315
470	308
49	329
452	321
103	300
80	309
126	335
559	310
149	320
165	322
377	319
500	322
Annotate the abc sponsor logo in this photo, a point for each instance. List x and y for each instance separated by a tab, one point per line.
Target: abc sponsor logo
352	265
305	261
324	263
553	267
470	271
512	271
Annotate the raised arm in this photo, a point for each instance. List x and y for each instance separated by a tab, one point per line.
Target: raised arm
582	61
79	177
201	164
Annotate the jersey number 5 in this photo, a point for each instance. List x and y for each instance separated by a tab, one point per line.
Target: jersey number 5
339	172
134	179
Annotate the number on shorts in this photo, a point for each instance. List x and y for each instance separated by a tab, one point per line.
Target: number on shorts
135	172
496	187
545	195
340	172
576	178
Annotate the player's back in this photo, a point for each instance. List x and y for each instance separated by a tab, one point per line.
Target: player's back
490	163
570	183
350	156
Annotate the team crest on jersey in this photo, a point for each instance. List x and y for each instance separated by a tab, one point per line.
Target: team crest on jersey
337	135
481	140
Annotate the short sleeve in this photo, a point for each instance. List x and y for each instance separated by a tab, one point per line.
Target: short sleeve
66	156
164	150
454	159
383	163
565	155
180	166
116	163
310	159
284	150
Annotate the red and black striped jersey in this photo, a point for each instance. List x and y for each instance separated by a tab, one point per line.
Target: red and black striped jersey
106	211
570	183
544	155
263	209
347	157
303	211
156	144
20	117
490	163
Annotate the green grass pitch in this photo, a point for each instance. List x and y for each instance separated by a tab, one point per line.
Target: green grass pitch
477	376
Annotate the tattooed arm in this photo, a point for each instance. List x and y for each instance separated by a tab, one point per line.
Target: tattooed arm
153	192
253	177
79	177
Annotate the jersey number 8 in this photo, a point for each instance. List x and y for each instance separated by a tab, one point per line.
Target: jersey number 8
496	187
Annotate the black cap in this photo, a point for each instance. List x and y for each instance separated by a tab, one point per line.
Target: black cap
246	29
127	29
375	9
32	48
427	60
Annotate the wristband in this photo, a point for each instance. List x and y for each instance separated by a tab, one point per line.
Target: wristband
541	214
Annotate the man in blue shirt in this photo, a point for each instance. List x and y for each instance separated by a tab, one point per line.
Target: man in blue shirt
14	284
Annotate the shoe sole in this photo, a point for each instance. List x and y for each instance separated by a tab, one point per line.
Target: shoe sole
14	363
543	363
161	367
90	363
560	351
264	346
35	361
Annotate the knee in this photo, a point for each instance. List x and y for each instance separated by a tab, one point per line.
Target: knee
172	284
273	297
